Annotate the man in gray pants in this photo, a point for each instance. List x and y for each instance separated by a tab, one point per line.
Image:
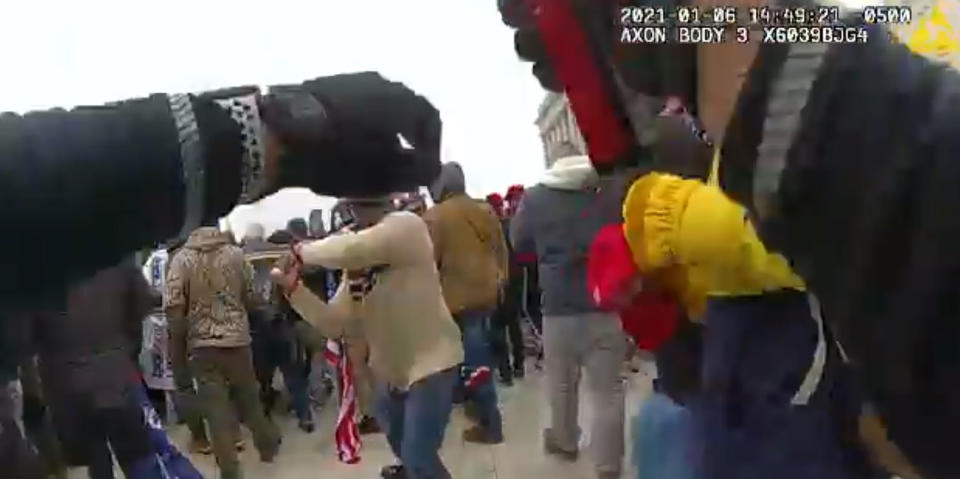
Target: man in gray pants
557	221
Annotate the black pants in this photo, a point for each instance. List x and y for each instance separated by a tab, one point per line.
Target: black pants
506	326
276	345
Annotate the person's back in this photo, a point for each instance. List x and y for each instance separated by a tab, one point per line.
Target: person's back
213	281
557	221
280	339
468	245
471	257
208	292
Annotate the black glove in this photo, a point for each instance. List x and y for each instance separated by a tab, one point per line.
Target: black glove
342	135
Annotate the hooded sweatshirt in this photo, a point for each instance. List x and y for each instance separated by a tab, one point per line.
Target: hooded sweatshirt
468	244
557	221
210	285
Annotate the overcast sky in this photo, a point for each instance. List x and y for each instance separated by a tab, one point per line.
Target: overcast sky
455	52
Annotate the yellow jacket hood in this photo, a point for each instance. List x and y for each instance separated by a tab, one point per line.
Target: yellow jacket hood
670	222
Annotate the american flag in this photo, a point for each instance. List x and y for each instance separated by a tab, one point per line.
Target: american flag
347	435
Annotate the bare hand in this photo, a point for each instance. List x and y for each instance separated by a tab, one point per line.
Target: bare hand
286	274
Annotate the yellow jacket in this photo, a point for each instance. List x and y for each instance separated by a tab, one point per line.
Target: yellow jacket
699	241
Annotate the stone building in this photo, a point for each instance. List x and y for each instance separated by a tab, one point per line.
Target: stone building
558	125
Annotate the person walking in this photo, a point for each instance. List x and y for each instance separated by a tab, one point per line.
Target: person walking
471	255
88	373
506	337
531	294
209	290
557	221
276	339
391	289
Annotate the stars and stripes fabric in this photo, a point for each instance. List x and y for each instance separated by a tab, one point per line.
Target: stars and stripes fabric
347	435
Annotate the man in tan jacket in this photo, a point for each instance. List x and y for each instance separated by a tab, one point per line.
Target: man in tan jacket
209	290
471	255
391	293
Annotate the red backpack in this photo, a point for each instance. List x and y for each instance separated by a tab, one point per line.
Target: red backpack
649	317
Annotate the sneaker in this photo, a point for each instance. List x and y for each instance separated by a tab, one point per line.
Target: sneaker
200	446
393	472
368	425
480	435
550	447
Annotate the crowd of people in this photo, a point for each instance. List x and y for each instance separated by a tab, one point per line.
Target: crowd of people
748	278
433	305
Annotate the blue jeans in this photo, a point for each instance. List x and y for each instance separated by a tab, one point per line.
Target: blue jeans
477	358
664	441
295	379
415	421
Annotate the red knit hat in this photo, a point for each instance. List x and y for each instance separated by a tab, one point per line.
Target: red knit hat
515	192
496	202
649	317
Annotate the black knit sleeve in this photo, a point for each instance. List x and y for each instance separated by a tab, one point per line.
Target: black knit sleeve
868	216
80	189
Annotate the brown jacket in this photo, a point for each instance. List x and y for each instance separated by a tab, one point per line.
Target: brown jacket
470	250
210	286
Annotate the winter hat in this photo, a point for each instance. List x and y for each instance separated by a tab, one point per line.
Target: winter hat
496	202
515	192
449	181
282	237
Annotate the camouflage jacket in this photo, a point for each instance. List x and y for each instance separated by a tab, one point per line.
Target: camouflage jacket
210	286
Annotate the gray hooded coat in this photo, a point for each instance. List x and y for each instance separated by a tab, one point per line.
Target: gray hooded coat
557	220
